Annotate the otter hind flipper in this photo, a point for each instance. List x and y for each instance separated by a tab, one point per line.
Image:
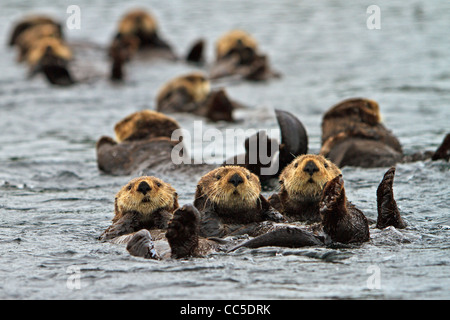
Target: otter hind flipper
290	237
294	138
388	213
443	152
141	245
196	52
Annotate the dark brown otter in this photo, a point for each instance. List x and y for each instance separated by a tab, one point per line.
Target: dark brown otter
192	93
237	54
143	203
230	202
353	135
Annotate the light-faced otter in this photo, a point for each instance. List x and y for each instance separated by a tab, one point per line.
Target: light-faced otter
29	22
142	140
143	203
51	56
148	146
28	37
143	25
230	202
301	187
192	93
237	54
353	135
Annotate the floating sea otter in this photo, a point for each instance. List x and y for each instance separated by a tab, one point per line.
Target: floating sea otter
192	93
237	54
138	32
353	135
30	22
144	142
39	40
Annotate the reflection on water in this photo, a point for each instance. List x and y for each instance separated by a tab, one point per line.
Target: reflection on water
54	202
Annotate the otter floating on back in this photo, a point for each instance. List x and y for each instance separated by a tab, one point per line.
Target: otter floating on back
353	135
237	54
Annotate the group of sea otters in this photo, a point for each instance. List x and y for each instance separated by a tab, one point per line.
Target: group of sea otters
310	208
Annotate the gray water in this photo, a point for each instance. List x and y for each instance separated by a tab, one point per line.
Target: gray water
54	202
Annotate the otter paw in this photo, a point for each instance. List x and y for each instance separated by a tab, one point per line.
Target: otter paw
182	232
141	245
332	192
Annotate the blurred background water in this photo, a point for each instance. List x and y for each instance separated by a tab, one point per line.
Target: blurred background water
54	202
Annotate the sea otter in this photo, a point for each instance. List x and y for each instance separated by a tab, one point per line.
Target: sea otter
301	187
148	146
237	54
353	135
192	93
143	203
30	22
29	36
138	34
230	202
142	139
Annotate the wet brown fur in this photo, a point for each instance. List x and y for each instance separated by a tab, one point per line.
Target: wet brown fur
352	134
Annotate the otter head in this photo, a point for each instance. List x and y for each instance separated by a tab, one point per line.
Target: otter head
229	187
193	87
145	195
138	22
50	56
237	42
143	125
304	178
30	22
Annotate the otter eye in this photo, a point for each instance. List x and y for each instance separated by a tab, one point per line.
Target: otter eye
158	184
218	177
296	165
129	187
248	177
325	165
281	181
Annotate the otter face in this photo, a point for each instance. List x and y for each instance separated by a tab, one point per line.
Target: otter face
358	109
231	187
146	195
304	178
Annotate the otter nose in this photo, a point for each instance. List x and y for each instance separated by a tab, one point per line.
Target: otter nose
236	179
144	187
310	167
